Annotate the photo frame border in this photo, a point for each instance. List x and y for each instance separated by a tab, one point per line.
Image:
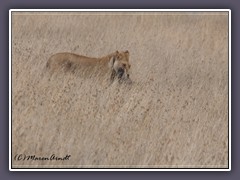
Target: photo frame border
120	169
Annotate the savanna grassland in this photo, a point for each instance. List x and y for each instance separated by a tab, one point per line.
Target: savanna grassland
174	114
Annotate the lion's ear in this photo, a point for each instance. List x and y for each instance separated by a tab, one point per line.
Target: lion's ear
127	53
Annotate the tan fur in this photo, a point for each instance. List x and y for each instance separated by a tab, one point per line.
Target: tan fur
87	66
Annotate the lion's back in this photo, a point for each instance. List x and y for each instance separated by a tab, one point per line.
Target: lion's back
73	63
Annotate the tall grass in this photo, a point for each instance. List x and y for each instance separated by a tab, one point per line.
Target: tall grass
175	114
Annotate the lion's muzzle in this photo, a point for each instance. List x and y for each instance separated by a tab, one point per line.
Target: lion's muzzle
120	73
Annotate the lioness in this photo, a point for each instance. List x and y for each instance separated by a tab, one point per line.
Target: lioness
116	64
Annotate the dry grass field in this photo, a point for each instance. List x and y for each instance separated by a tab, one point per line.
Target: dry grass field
173	115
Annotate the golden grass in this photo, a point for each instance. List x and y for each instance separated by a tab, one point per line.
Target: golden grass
175	114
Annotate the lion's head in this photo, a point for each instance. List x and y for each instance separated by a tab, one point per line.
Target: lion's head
120	66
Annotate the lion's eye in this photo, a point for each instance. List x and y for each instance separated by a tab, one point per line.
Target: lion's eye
119	56
124	65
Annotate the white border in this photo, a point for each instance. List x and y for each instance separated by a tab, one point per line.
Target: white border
119	10
122	10
10	90
230	89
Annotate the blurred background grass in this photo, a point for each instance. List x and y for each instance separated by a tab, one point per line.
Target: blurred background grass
175	114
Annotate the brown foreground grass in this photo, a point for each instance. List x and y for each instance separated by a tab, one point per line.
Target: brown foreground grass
175	114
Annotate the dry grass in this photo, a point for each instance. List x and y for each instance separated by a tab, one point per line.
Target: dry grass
175	114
